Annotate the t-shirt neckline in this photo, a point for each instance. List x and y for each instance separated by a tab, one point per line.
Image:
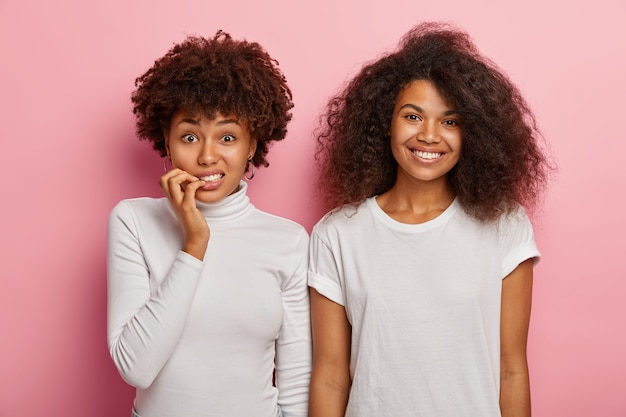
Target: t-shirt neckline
441	219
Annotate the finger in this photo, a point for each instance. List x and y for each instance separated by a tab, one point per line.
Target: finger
175	185
189	197
171	173
165	178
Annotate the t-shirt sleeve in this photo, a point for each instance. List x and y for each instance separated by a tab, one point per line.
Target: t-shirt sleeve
293	346
517	241
324	267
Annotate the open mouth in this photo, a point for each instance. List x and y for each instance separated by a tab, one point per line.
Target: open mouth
212	178
427	155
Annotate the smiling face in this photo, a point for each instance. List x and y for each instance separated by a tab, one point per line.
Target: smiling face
425	134
214	150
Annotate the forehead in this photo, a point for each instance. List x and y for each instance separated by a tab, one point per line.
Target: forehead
209	116
421	92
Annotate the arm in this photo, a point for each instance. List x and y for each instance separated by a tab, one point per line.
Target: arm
144	324
293	345
515	318
330	380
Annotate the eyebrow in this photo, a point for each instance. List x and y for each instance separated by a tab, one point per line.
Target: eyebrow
196	122
421	110
228	121
189	120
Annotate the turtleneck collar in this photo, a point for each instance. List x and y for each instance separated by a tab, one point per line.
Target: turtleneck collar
231	207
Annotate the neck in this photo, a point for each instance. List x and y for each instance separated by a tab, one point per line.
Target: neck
416	201
228	208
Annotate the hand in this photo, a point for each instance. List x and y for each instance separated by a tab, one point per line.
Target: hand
180	189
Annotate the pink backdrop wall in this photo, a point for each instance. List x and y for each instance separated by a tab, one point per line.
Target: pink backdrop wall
69	154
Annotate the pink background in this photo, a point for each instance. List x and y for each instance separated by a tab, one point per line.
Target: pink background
69	154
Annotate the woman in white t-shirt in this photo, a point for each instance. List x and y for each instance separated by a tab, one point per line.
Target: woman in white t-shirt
208	308
421	273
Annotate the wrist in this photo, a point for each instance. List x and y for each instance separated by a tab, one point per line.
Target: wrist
196	249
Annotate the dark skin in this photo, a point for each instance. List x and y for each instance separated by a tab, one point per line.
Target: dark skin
426	143
222	146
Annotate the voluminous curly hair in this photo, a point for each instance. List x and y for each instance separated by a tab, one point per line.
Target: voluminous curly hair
502	162
208	76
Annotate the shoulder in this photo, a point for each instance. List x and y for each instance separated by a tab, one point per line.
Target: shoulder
275	224
517	218
343	219
139	208
514	219
515	230
141	204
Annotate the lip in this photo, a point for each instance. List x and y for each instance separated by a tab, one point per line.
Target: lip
211	185
209	173
428	155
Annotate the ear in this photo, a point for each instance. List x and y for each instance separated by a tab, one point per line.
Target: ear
253	144
166	139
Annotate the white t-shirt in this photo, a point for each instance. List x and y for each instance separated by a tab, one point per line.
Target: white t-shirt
200	338
424	304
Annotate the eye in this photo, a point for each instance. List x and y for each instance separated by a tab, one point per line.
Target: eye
189	138
451	122
228	138
412	117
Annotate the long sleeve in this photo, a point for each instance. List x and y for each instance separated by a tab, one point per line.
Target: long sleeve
205	338
144	323
293	347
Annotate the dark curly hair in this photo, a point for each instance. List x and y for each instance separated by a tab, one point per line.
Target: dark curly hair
209	76
502	161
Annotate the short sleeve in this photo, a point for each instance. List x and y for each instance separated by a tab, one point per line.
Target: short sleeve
517	241
324	273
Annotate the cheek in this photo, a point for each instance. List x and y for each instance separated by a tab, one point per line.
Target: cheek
177	161
398	151
238	159
182	155
401	132
454	140
459	143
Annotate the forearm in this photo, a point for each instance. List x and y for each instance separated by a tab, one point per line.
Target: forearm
330	379
293	355
293	346
515	393
516	305
144	328
329	394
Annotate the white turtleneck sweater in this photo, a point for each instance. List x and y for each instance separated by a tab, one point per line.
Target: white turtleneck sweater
204	338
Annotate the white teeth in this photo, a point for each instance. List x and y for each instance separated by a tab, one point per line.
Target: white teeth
212	178
427	155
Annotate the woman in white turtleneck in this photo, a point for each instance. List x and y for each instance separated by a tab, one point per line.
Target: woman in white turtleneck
208	311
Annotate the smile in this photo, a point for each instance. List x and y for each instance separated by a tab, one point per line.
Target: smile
427	155
212	178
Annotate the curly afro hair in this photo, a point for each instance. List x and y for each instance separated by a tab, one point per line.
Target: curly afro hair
502	161
208	76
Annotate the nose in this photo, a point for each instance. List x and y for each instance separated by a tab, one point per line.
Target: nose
429	133
209	153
